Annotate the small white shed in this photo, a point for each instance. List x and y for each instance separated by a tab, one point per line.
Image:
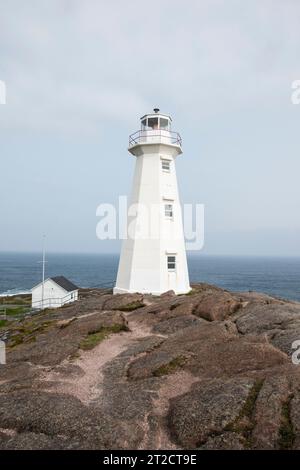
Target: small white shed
57	291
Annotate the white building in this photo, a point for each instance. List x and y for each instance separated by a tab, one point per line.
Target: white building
55	292
153	257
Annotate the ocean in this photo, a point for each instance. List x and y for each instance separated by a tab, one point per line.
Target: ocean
276	276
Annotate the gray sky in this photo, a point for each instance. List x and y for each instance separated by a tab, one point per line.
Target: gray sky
79	74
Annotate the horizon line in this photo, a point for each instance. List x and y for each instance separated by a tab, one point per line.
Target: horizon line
189	253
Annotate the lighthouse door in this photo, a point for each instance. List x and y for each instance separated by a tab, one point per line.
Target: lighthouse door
172	277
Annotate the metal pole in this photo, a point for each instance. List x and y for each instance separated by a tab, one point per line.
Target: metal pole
43	271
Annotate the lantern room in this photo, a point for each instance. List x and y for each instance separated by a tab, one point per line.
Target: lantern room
156	121
155	128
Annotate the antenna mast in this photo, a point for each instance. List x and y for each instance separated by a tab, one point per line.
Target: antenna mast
43	284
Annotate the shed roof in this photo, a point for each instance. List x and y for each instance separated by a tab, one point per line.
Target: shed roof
64	283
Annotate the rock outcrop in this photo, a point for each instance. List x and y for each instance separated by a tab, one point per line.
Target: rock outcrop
207	370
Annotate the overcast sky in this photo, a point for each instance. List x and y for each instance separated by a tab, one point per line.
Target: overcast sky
80	73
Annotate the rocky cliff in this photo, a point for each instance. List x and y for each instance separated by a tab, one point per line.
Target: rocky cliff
208	370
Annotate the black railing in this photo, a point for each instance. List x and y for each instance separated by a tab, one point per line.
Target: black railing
155	136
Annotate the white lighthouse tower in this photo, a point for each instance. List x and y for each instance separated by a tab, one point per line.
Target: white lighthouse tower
153	257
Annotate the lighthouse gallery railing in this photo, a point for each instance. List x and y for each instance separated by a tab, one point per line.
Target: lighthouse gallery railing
155	136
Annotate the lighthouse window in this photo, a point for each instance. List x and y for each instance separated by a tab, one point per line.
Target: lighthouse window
153	123
165	164
171	263
169	211
163	123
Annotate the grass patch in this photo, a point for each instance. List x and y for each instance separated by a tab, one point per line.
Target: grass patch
192	292
171	367
247	411
49	310
96	337
27	332
3	323
20	339
286	431
20	300
248	407
75	355
16	310
130	307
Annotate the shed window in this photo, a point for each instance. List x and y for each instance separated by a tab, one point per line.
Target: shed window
171	260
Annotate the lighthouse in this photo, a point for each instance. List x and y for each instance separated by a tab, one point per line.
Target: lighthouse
153	256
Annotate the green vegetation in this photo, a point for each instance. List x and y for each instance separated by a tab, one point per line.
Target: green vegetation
245	423
16	310
286	431
192	292
171	367
248	408
96	337
3	323
16	300
17	339
75	355
26	333
15	305
130	307
91	341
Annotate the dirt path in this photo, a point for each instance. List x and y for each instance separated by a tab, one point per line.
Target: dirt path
87	387
174	385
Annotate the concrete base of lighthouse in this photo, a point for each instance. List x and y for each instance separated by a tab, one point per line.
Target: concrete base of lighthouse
118	290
